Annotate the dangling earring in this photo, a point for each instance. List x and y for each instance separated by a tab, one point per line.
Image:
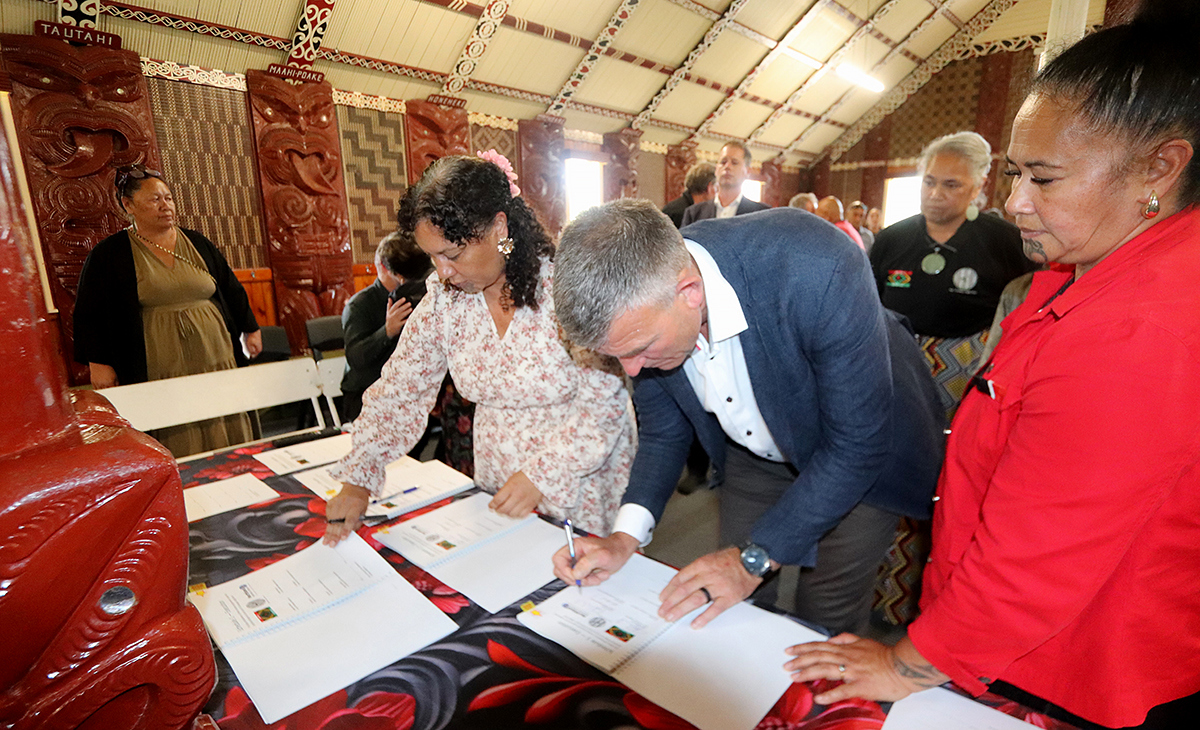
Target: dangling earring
1151	208
505	246
972	212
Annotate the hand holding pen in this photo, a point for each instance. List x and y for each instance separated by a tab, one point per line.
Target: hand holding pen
571	547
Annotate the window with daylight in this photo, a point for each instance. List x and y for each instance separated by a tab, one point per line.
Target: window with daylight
585	185
901	198
752	190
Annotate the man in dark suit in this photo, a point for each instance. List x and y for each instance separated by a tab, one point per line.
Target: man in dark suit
374	317
732	170
813	399
700	185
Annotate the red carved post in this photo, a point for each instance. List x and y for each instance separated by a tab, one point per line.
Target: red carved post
542	166
432	131
620	174
304	199
989	115
93	537
680	158
772	189
80	113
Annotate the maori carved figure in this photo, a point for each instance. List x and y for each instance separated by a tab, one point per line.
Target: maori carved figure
620	174
771	170
304	199
93	538
80	113
680	158
432	131
542	170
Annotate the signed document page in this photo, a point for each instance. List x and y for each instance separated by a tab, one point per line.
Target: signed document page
308	454
224	495
410	485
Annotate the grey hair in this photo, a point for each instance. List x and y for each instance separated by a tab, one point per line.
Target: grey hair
969	146
795	201
613	258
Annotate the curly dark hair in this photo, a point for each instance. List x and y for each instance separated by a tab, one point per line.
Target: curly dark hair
461	197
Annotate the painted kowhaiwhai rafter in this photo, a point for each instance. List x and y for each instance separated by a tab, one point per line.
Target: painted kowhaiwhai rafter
710	36
310	32
954	47
862	31
929	20
588	63
485	29
744	86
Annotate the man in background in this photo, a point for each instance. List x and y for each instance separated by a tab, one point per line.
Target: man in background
374	318
856	216
830	208
804	201
732	170
700	186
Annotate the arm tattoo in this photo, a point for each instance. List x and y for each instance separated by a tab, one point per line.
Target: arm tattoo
923	675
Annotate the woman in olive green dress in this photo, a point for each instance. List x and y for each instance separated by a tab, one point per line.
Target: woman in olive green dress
157	301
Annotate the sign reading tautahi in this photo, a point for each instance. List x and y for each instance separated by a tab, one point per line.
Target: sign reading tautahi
76	34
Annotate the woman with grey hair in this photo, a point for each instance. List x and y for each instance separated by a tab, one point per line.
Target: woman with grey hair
945	268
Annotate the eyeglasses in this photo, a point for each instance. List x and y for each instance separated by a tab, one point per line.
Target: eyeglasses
125	174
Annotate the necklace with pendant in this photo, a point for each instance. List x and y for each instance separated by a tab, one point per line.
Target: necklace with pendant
934	262
133	232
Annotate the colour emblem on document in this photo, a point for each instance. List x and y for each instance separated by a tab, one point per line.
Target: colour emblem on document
899	278
620	633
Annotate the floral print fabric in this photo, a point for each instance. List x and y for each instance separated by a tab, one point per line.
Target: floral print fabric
558	413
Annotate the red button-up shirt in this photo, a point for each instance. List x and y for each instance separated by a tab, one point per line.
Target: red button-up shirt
1066	543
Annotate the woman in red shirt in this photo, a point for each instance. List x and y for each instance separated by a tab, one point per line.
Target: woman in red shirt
1066	561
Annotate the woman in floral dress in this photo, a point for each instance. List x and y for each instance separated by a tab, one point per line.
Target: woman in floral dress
554	428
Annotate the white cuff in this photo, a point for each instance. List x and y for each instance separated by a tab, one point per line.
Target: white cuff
636	521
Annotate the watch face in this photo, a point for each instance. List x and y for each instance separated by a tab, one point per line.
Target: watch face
755	560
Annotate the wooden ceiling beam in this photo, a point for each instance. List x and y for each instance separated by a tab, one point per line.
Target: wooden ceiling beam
587	64
481	37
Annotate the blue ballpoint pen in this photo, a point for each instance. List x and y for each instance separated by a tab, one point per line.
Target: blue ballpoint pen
571	547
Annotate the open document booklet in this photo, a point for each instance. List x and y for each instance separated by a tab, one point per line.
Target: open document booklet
288	459
410	485
492	559
725	676
309	625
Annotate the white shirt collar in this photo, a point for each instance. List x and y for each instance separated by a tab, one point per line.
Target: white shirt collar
725	316
731	207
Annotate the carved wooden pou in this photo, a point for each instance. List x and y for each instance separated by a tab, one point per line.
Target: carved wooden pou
81	112
304	199
542	170
93	536
432	131
621	173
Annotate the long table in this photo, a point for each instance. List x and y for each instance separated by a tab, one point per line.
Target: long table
491	673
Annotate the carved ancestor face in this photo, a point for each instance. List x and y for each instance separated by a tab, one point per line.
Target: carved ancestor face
297	143
434	132
77	107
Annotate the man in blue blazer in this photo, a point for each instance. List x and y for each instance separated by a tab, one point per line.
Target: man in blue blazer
762	335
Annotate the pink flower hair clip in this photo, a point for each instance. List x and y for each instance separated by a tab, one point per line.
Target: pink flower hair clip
502	162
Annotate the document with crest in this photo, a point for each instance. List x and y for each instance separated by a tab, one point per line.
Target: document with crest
410	485
941	709
308	454
302	628
492	559
725	676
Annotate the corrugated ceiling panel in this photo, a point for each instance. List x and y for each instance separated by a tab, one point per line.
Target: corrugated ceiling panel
824	35
689	104
377	83
276	19
729	59
421	35
934	35
662	136
1032	16
619	85
237	57
742	118
857	104
903	17
19	17
662	32
821	137
780	79
773	18
785	130
501	106
966	9
528	62
584	19
369	27
592	122
823	92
